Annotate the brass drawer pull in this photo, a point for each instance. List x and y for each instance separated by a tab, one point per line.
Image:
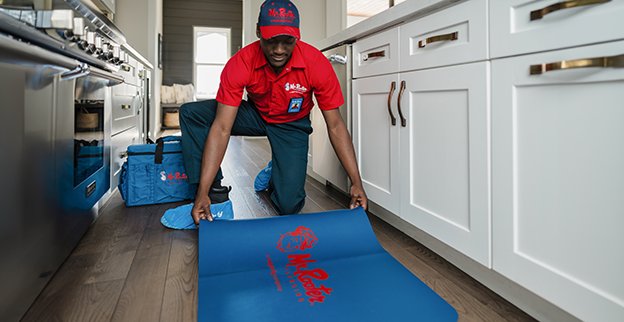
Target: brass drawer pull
403	121
389	101
451	36
375	54
538	14
125	107
612	61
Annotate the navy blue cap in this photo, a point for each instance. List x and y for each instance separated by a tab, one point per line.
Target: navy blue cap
278	17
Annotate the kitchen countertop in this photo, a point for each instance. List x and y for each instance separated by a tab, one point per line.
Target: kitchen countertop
405	11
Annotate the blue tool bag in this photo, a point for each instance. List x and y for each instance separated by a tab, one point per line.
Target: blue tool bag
154	173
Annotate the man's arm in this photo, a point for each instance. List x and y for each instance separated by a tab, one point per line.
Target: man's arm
341	141
214	150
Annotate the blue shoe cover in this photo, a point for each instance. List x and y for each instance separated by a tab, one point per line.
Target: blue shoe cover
180	218
262	179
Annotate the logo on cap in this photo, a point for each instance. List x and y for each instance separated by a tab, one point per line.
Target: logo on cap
278	17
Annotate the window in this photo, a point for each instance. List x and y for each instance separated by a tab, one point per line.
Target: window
211	50
358	10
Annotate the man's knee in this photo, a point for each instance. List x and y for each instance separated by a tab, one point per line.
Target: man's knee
200	110
289	206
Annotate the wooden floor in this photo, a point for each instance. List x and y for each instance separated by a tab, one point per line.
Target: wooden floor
128	267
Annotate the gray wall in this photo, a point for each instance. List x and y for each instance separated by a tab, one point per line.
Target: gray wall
179	17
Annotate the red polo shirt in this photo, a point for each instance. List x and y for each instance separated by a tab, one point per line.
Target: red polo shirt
285	97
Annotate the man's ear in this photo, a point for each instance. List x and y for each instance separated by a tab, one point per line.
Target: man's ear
258	31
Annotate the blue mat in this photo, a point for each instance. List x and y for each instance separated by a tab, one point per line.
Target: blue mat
326	266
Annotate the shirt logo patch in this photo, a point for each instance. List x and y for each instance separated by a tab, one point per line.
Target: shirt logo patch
295	104
295	88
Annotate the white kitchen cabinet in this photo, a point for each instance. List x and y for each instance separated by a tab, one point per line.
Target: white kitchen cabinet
558	180
512	32
376	138
452	36
444	151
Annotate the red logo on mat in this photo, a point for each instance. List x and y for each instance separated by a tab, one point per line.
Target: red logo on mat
302	279
300	239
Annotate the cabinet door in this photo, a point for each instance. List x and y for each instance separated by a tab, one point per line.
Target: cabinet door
558	180
515	26
376	139
445	156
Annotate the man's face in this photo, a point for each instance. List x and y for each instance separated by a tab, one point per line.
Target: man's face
277	50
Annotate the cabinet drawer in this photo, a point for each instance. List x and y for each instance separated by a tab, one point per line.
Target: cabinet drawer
558	151
512	31
377	54
129	71
452	36
119	146
125	101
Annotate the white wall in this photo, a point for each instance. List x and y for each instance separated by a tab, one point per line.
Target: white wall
318	19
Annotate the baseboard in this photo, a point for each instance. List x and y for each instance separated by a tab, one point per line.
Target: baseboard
519	296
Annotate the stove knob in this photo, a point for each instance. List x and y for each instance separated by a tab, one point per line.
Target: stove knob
88	42
77	32
122	57
105	55
98	45
116	54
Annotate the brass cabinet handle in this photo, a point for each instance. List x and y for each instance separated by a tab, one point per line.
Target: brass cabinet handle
389	100
125	107
538	14
612	61
125	67
375	54
451	36
403	120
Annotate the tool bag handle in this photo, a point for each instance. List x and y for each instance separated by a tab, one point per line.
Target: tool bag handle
160	146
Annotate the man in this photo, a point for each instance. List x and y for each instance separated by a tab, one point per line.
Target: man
280	74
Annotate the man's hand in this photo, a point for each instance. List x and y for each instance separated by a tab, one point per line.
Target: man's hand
201	209
358	197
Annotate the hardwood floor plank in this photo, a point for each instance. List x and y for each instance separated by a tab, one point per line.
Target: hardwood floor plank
94	302
333	193
180	297
98	235
54	302
322	198
311	206
142	295
115	261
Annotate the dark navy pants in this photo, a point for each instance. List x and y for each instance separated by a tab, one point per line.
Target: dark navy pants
289	148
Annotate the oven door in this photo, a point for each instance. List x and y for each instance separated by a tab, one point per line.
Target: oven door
82	137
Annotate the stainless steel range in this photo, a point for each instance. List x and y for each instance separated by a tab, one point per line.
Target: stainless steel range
68	84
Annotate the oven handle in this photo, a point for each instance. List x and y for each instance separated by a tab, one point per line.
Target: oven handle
84	70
